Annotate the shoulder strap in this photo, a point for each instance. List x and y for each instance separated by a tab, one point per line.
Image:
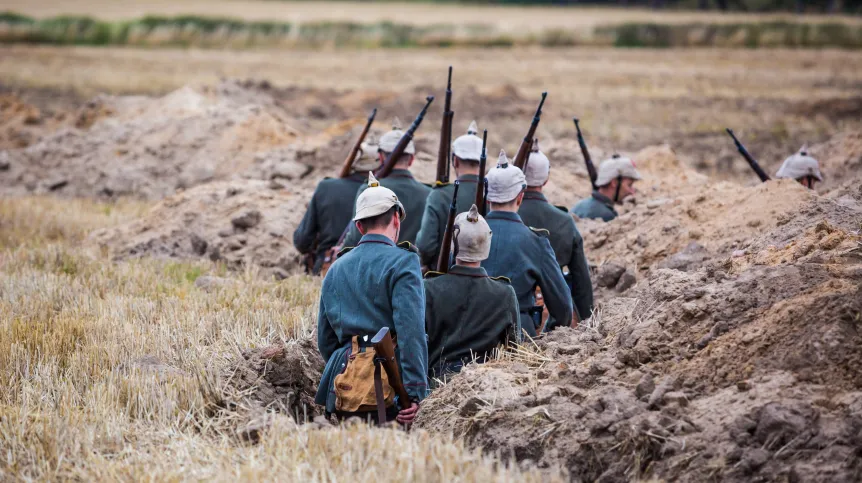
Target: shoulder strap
502	279
540	232
345	251
432	274
407	246
562	208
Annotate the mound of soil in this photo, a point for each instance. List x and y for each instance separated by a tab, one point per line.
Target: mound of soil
240	223
282	378
740	366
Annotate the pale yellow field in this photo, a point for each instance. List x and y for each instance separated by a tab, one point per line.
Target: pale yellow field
508	18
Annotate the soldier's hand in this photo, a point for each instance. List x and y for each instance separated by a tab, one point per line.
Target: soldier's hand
406	416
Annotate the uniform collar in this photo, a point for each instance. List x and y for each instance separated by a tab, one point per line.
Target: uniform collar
603	199
375	238
400	173
469	178
504	215
467	271
535	195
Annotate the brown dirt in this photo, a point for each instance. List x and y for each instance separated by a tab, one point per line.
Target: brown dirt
738	363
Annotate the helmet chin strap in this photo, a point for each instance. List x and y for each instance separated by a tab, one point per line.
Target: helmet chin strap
619	185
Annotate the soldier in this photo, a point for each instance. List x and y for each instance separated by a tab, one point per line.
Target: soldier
801	167
615	180
521	254
411	192
466	152
330	209
374	285
563	234
467	313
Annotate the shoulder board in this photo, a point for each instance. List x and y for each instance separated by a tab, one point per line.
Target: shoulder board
344	251
540	232
327	177
502	279
406	245
428	185
432	274
439	184
562	208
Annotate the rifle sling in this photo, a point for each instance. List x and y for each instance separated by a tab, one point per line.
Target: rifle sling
378	393
617	193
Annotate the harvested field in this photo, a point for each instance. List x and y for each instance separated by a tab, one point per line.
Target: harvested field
154	323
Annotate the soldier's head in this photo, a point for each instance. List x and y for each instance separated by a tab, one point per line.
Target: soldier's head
367	158
472	238
379	211
506	184
801	167
388	142
616	178
538	168
466	151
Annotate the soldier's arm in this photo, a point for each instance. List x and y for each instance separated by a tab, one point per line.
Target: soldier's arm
427	239
408	314
306	233
514	333
582	287
327	340
556	293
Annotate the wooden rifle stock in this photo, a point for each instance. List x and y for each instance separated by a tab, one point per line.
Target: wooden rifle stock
480	185
384	347
396	153
446	244
748	157
588	160
347	167
445	135
524	150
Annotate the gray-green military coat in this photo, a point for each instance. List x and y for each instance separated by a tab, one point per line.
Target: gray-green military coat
437	213
597	206
467	315
567	243
412	195
328	214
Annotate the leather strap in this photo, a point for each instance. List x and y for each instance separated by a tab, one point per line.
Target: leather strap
378	393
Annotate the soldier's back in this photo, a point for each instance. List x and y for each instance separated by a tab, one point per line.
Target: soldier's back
537	212
467	315
437	213
592	208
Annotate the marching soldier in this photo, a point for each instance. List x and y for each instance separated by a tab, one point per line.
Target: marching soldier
801	167
563	234
467	313
374	285
411	192
330	209
466	150
521	254
615	180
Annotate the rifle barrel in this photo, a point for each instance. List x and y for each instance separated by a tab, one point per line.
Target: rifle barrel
524	150
396	153
446	244
755	166
347	167
480	185
445	135
588	160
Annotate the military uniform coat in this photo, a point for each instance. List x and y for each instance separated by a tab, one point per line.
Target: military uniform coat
526	258
437	214
328	214
372	286
412	195
467	314
597	206
567	243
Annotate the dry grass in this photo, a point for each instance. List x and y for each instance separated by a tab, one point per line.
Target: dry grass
76	405
505	18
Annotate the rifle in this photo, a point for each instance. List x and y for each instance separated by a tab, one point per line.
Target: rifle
480	186
748	157
347	167
384	347
396	153
524	151
445	135
588	160
446	244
